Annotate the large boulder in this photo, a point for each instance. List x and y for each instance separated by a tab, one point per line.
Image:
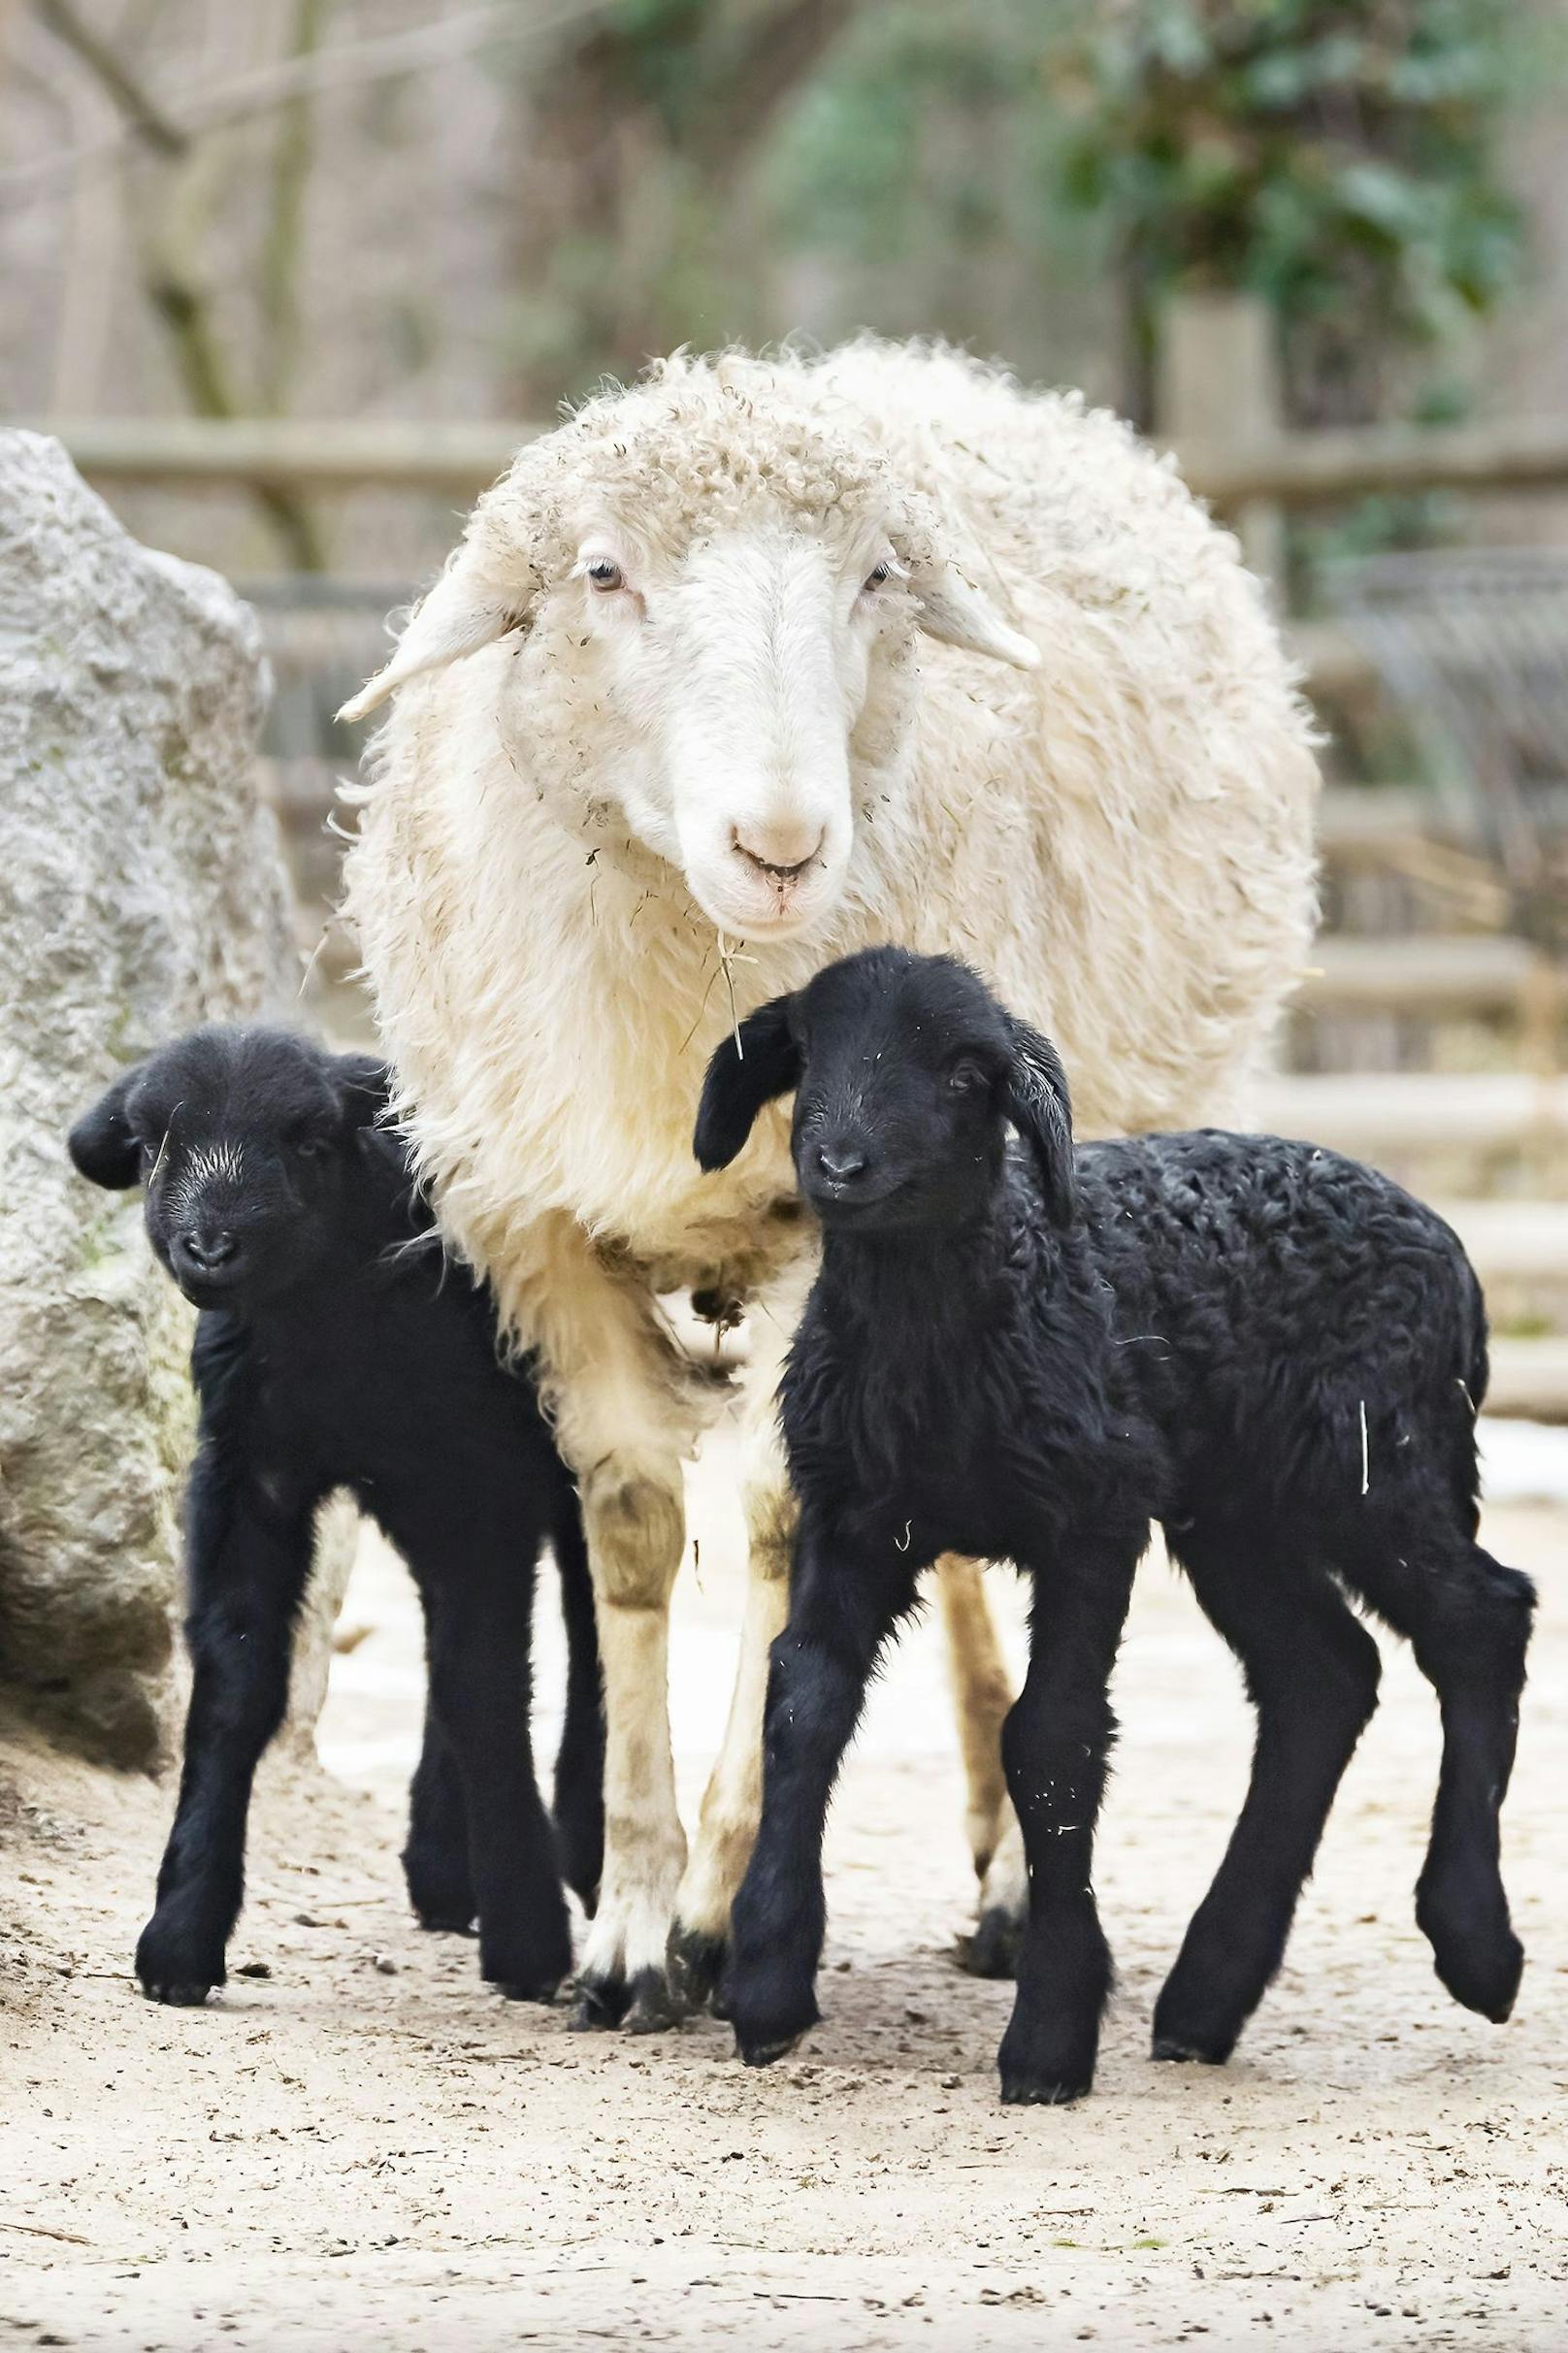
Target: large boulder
141	890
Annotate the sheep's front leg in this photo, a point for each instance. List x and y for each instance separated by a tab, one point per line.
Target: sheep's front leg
733	1799
622	1422
982	1694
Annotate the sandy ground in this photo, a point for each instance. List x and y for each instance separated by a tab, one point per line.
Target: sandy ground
366	2147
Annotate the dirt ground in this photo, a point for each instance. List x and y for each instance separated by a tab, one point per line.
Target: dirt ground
364	2145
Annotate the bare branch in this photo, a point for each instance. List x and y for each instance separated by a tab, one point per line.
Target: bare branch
786	49
143	116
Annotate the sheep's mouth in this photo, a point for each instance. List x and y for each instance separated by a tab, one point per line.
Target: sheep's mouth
853	1204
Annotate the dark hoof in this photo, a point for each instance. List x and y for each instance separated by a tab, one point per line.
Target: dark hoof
1486	1980
1191	2046
178	1964
601	2002
176	1995
1042	2091
654	2009
695	1963
764	2033
763	2054
527	1989
992	1949
444	1924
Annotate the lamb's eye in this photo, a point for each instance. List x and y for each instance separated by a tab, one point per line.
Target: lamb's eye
876	577
965	1078
604	576
311	1147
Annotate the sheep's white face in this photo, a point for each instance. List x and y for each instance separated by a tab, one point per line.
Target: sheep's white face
734	680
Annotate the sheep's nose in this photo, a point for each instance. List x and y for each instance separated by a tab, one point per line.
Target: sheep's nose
781	852
210	1250
842	1164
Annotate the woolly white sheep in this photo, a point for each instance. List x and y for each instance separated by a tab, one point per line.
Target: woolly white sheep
752	664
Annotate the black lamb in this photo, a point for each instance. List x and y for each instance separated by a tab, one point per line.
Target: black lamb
337	1347
1027	1352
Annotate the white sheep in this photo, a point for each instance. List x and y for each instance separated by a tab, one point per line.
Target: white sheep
754	663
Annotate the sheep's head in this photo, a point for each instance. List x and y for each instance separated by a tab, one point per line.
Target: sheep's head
716	586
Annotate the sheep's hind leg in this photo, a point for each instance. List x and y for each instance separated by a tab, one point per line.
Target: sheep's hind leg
982	1695
635	1526
1312	1674
1468	1622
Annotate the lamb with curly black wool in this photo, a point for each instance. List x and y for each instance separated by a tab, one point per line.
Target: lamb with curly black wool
336	1346
1030	1353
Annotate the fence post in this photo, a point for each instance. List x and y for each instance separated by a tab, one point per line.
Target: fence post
1218	388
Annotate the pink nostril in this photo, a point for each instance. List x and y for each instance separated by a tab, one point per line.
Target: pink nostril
783	855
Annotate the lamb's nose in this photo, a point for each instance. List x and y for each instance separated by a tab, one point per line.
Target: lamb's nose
210	1250
842	1164
781	852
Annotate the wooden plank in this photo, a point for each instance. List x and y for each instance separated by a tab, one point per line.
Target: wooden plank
1371	1113
1529	1379
1512	1241
1424	973
312	453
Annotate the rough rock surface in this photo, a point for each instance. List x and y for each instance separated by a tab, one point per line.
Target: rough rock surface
141	890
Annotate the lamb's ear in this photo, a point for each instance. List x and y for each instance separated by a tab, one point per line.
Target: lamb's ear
955	612
101	1143
742	1076
462	612
365	1084
1039	1105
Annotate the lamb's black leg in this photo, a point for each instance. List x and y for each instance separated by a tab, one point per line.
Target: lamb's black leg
1312	1672
579	1761
435	1858
248	1558
479	1689
1055	1749
1468	1622
842	1606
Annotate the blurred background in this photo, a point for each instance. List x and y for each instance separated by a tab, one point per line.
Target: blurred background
291	278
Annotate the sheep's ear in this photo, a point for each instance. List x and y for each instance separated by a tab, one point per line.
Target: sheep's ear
744	1074
365	1084
957	613
102	1145
460	615
1039	1105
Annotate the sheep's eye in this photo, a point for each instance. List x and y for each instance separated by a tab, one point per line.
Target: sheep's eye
311	1147
605	576
877	576
965	1078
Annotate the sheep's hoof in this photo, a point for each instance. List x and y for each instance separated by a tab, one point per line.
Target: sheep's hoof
445	1924
602	2001
992	1949
1041	2091
527	1989
176	1995
763	2054
695	1962
1195	2048
654	2009
1479	1959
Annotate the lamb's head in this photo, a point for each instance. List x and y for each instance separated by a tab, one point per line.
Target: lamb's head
242	1141
712	588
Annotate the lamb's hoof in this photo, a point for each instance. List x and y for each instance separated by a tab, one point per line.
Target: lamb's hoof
763	2054
695	1963
1477	1957
602	2001
654	2009
1042	2091
1191	2046
992	1949
527	1989
446	1923
176	1994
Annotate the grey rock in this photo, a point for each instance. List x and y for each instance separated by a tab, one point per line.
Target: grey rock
141	890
